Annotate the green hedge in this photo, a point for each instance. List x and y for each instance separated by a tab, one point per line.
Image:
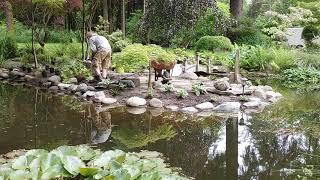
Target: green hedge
214	43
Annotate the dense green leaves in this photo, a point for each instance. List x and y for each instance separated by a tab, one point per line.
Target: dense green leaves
214	43
70	161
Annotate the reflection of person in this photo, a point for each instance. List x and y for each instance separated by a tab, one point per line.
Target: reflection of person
101	51
102	130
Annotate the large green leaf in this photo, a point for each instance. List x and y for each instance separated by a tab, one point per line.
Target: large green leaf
85	152
20	175
104	159
21	163
102	174
50	160
134	171
121	174
5	170
88	171
55	171
65	151
73	164
35	168
36	152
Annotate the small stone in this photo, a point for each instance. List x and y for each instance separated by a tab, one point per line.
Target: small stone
228	107
16	74
54	79
252	104
157	103
63	86
222	85
260	93
127	83
29	78
4	75
172	108
136	110
254	99
46	84
135	80
73	88
54	88
89	94
73	81
189	75
205	106
108	101
136	102
91	88
99	94
82	88
189	110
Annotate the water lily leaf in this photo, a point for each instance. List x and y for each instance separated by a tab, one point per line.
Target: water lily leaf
102	174
20	175
121	174
21	163
65	151
104	159
35	168
114	165
133	171
5	170
55	171
111	177
150	175
88	171
50	160
85	152
36	152
73	164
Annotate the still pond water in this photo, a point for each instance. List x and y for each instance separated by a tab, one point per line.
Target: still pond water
270	145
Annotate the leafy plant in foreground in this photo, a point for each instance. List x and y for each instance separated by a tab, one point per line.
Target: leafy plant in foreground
168	88
181	93
199	89
84	162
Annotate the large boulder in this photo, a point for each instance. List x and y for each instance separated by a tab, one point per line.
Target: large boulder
205	106
260	93
54	79
157	103
228	107
16	74
222	85
64	87
189	75
136	102
189	110
273	96
89	94
82	87
4	75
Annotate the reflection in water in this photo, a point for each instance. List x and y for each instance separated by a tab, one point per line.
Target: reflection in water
264	146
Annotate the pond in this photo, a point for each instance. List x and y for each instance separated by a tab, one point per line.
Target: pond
280	143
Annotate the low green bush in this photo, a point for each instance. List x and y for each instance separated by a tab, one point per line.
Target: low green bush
73	68
214	43
8	47
117	42
301	78
156	53
310	32
133	58
307	59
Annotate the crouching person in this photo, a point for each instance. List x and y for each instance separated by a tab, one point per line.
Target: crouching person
101	53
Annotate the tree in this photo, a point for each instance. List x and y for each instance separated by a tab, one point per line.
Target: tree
7	8
236	8
123	18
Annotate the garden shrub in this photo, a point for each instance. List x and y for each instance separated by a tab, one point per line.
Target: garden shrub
8	47
301	78
310	32
159	54
133	24
117	42
307	59
73	68
214	43
133	58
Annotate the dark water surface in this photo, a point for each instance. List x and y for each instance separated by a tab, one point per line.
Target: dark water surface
280	143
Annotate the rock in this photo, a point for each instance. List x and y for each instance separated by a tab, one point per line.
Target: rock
4	75
136	110
16	74
136	102
232	78
254	99
172	108
96	100
157	103
54	79
91	88
155	112
252	104
222	85
108	101
73	81
273	96
89	94
260	93
82	88
267	88
135	80
189	110
78	94
219	69
99	95
205	114
46	84
38	74
205	106
63	86
73	88
127	83
228	107
29	78
54	88
189	75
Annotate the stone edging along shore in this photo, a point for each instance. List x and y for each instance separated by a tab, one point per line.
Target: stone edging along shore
258	96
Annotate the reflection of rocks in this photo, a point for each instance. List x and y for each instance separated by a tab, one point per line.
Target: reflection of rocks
157	103
54	88
136	110
108	101
102	127
155	112
136	102
172	108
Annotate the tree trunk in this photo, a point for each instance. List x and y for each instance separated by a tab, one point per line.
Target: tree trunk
144	6
123	24
105	11
83	31
110	17
9	15
236	8
33	38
